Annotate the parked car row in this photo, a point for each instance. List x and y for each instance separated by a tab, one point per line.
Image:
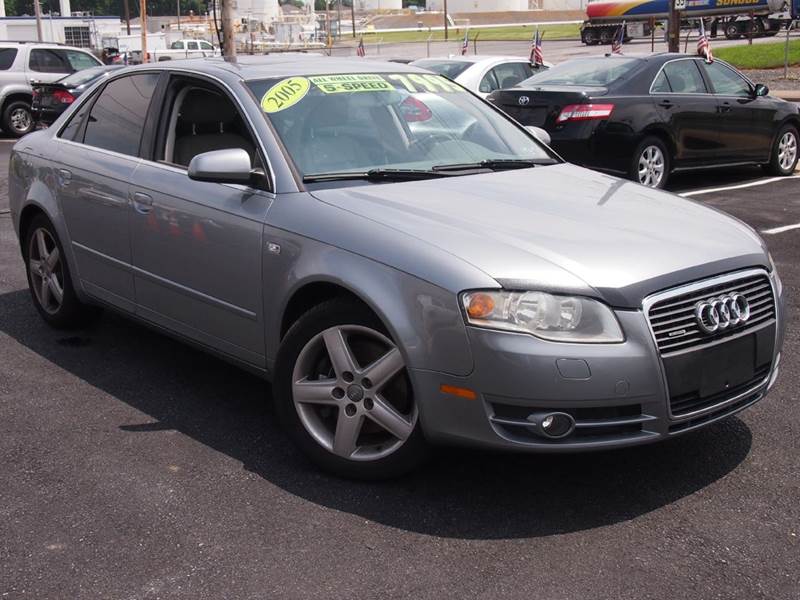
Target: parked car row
406	263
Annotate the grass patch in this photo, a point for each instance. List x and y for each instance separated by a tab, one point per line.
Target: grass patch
759	56
485	34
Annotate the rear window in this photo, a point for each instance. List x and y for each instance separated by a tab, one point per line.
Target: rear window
449	68
586	72
84	76
7	56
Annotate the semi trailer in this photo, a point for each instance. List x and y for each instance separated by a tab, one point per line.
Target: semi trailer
737	18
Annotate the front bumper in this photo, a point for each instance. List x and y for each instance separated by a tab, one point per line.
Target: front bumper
617	393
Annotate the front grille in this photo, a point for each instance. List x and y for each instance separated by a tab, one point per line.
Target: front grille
692	402
673	319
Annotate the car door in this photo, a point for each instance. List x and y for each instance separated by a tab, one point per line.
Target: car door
96	155
504	75
746	122
197	246
683	103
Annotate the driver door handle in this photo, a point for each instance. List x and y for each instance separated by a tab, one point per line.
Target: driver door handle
666	103
142	203
725	107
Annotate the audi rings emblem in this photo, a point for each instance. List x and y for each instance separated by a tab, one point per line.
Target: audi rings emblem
523	100
718	314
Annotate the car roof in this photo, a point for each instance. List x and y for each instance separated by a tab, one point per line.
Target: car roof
286	64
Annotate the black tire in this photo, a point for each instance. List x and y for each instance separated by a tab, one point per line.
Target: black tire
774	166
732	31
648	143
606	36
71	312
338	312
17	118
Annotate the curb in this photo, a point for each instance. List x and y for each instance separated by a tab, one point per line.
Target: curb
790	95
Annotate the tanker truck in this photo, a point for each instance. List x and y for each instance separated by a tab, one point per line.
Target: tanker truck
736	17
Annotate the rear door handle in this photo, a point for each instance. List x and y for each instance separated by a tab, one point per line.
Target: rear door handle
725	107
64	177
142	203
666	103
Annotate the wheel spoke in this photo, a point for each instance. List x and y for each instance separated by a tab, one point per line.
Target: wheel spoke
338	351
315	392
52	259
346	435
55	289
387	417
34	265
383	369
44	292
41	245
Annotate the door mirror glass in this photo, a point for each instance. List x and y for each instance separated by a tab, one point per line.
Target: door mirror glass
761	90
540	134
231	165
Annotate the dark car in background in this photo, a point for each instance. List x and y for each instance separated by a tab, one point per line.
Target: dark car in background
645	117
51	99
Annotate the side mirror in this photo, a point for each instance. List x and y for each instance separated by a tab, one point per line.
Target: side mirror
761	90
539	133
222	166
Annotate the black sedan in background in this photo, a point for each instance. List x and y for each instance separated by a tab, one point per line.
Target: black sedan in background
645	117
51	99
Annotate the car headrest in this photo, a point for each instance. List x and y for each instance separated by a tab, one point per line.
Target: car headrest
201	107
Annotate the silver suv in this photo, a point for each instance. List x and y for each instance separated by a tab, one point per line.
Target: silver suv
22	63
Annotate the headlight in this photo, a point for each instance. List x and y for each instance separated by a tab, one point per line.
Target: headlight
557	318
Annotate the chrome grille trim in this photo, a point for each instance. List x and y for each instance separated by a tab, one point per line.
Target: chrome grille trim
673	310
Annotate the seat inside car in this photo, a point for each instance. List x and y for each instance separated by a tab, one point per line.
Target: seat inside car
204	121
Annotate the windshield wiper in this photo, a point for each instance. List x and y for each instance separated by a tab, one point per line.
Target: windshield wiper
376	175
497	164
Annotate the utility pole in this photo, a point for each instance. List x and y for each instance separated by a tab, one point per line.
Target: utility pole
445	20
127	15
674	27
228	41
178	5
37	10
353	16
143	24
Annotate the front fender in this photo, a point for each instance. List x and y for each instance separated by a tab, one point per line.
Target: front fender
423	319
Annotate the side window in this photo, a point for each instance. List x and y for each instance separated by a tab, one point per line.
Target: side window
117	118
488	83
7	56
684	77
192	45
206	46
661	84
725	81
78	61
203	119
176	45
73	128
47	60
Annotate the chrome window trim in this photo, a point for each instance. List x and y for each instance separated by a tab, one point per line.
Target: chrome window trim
652	83
652	299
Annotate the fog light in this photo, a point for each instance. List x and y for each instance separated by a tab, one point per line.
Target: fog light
552	425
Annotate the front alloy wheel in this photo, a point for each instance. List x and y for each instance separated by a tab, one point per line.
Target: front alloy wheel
343	392
651	166
352	411
783	160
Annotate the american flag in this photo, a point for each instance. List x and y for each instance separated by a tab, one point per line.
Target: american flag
703	45
619	39
465	43
537	58
360	49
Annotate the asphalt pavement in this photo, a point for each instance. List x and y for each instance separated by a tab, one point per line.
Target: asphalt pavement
132	466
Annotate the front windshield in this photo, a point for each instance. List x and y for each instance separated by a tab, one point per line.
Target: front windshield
368	121
449	68
598	71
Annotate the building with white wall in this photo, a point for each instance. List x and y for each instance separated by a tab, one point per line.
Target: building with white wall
83	32
364	5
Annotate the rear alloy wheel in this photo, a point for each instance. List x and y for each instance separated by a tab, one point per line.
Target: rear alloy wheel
342	390
783	159
49	278
17	118
650	164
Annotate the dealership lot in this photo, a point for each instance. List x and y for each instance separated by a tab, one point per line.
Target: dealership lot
134	466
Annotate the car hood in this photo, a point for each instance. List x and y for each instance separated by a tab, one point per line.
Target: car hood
562	228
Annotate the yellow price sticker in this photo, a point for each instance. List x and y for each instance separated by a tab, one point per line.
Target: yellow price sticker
284	94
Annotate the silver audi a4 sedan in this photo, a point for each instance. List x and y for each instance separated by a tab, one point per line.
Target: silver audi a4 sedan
403	261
